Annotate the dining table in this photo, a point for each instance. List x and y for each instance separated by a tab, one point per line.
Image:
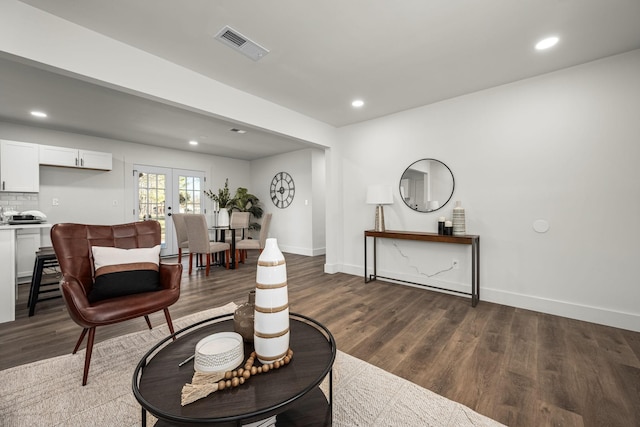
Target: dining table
219	235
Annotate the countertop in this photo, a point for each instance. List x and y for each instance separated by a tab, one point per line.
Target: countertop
7	226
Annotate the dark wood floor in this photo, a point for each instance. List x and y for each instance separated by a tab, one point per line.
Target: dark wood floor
519	367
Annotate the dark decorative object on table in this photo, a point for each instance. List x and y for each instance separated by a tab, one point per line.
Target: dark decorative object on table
448	228
243	317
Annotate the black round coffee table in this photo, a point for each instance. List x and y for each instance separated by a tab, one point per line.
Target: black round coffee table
291	392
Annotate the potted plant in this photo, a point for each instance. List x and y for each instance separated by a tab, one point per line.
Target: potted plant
222	199
243	201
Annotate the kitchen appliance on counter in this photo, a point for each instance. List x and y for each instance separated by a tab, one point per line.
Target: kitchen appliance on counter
26	217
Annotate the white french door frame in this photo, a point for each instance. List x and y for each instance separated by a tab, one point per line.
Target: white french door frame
176	191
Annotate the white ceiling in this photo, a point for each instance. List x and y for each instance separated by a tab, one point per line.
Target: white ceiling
395	55
76	106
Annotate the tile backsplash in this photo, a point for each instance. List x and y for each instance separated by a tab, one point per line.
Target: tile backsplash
20	201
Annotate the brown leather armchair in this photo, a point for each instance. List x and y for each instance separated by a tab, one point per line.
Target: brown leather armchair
72	244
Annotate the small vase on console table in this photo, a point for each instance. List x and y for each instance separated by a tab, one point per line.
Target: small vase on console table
459	227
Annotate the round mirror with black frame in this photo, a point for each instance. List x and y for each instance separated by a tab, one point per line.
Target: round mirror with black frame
427	185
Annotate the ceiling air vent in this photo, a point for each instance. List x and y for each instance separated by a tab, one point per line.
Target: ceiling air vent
242	44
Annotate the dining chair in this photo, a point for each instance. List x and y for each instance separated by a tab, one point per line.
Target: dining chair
254	244
199	243
239	223
240	220
181	233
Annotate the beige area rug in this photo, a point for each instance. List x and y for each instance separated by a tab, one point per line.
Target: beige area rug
48	392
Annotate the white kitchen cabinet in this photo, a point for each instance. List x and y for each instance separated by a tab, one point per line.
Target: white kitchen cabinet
19	171
7	275
58	156
95	160
13	240
27	244
74	158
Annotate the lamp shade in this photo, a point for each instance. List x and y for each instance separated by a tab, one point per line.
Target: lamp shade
379	195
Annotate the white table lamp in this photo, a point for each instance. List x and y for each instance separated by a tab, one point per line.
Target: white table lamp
379	195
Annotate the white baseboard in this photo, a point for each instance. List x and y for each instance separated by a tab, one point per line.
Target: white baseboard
599	315
319	251
302	251
332	268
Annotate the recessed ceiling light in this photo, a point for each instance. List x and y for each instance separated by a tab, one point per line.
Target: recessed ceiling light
40	114
357	103
547	43
193	142
236	130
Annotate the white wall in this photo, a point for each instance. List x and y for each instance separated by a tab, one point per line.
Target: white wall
75	50
318	201
299	228
38	36
87	196
562	147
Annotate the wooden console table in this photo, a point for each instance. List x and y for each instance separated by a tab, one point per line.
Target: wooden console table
467	239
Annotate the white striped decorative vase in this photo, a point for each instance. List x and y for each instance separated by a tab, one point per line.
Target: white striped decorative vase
459	222
271	322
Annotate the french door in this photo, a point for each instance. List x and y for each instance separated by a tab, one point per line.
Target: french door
160	192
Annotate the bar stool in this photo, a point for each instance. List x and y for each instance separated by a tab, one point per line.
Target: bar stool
42	283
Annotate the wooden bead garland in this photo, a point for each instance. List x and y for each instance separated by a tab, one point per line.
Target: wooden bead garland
239	376
201	385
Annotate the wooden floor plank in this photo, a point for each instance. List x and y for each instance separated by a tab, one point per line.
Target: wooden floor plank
519	367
